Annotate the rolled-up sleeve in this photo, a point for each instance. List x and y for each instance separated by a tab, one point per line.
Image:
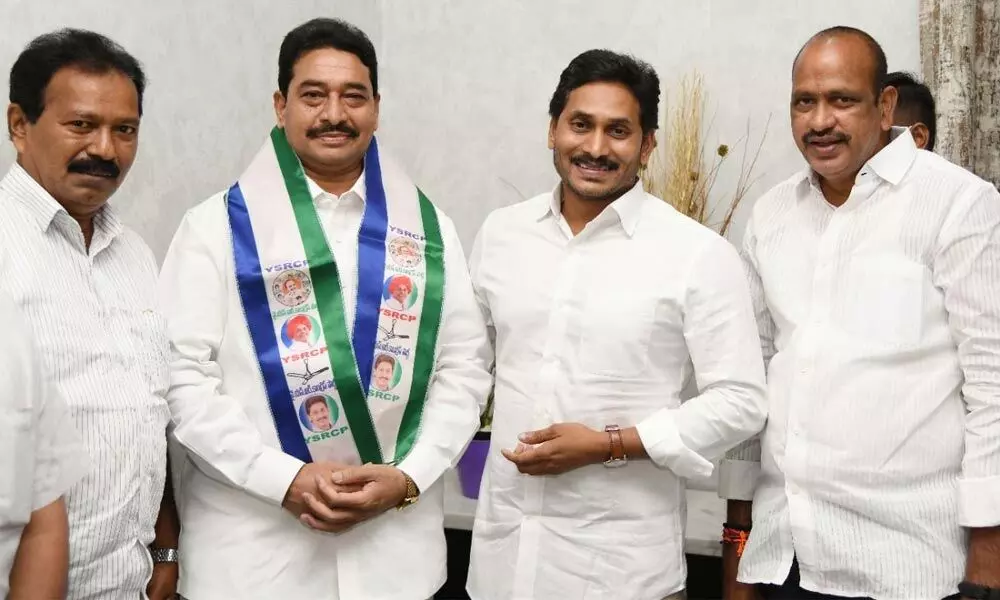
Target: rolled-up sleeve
722	341
211	425
461	381
967	268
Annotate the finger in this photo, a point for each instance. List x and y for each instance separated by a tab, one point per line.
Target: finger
314	523
318	509
361	500
538	436
353	476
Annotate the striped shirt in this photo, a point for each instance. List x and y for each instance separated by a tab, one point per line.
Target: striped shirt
93	318
881	321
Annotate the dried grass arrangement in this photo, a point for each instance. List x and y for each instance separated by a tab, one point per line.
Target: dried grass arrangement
679	171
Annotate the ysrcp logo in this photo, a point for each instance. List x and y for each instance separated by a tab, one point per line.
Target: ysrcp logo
405	252
292	287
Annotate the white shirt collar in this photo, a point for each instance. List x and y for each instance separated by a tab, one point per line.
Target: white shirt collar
628	206
890	163
358	189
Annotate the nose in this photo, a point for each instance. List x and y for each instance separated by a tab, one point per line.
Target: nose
333	111
102	144
822	118
596	145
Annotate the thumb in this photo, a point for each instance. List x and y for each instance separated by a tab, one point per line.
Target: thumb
538	436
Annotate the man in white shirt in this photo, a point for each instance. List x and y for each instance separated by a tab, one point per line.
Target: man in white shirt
604	302
43	456
271	507
875	275
85	284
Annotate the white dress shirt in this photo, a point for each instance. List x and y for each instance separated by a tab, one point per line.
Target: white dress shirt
41	454
607	327
237	540
881	319
93	317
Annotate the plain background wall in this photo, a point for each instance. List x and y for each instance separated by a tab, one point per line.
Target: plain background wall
465	83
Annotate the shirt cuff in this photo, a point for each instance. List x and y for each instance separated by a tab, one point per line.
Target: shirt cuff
424	466
272	474
663	444
979	502
738	479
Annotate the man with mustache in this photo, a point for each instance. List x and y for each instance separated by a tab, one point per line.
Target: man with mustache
86	285
584	494
272	509
875	281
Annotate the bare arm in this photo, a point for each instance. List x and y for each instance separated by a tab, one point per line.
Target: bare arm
42	560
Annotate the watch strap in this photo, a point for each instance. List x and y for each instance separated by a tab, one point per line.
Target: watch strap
164	555
978	592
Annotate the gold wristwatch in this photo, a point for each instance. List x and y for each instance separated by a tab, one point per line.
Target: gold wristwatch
412	494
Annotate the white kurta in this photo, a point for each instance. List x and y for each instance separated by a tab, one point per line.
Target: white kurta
607	327
237	541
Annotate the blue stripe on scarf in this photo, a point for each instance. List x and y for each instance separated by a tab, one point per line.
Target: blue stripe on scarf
371	266
253	296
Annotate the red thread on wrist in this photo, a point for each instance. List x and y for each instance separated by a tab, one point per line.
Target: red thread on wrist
736	537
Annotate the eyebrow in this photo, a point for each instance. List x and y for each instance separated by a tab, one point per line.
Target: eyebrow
350	85
80	115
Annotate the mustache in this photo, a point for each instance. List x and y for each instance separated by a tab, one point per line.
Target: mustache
324	128
826	135
95	166
585	160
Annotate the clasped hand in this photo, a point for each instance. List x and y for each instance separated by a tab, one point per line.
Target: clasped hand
332	497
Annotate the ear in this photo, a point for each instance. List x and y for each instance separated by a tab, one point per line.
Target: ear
552	134
648	145
279	108
921	135
378	100
887	106
17	127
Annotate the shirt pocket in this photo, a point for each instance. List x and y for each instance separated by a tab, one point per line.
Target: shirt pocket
17	466
616	329
884	300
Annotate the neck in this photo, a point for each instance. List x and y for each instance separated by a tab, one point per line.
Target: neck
579	211
335	182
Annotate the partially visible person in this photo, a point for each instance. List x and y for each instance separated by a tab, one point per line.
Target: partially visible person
875	275
43	457
86	285
914	108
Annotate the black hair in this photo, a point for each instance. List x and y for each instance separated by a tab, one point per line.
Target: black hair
49	53
917	101
607	66
324	33
878	55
